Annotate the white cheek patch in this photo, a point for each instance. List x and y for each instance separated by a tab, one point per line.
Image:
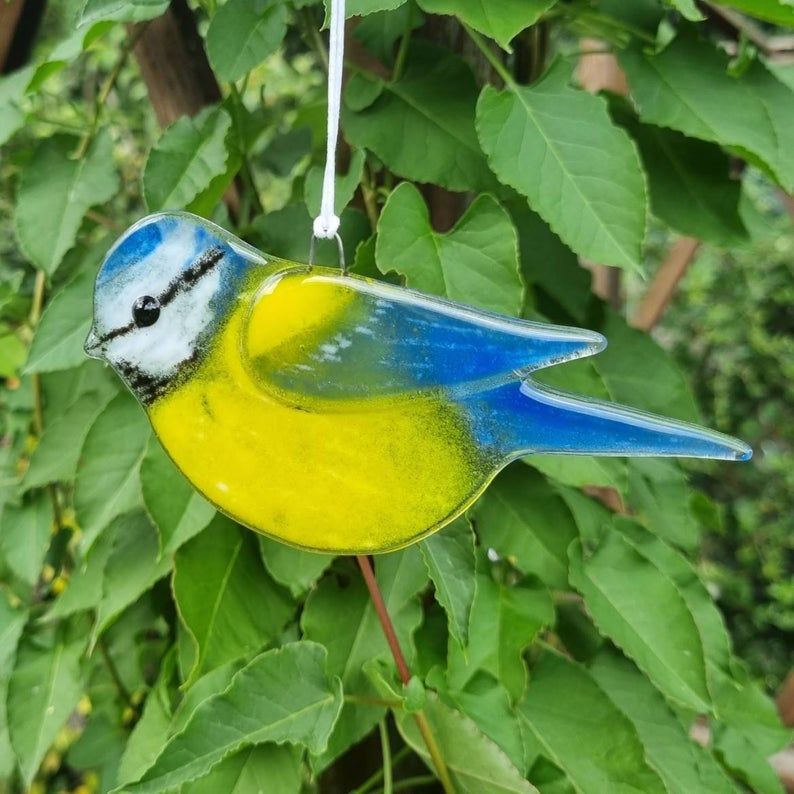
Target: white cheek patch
159	349
151	277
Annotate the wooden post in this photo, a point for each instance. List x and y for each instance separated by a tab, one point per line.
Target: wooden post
665	283
174	66
9	16
600	71
178	76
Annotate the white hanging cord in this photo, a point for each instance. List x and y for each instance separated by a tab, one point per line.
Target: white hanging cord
326	224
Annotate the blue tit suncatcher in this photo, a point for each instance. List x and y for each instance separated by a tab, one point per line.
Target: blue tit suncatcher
334	412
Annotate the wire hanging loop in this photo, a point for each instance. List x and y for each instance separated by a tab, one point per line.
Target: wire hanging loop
326	224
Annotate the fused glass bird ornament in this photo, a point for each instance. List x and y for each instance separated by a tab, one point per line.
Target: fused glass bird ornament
337	413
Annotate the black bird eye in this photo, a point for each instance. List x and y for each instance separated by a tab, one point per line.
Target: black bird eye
145	311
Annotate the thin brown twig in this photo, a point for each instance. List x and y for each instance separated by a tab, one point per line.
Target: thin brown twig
402	668
106	88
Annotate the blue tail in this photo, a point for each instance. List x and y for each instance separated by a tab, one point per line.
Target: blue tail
521	418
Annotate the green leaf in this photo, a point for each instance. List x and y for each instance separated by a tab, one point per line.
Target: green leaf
450	562
476	764
475	263
432	105
743	759
548	263
264	768
742	705
523	519
638	372
188	156
132	567
779	12
689	182
56	455
346	185
221	590
688	9
581	174
151	731
43	690
360	8
683	764
59	339
753	113
636	605
487	702
84	590
296	569
582	731
359	637
661	498
242	33
501	20
55	192
283	695
107	483
179	512
711	626
380	31
12	91
120	10
25	533
12	622
287	233
504	621
13	353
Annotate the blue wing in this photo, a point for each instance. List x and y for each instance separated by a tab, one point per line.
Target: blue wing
513	420
362	339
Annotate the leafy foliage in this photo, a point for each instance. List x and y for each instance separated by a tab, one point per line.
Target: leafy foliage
150	644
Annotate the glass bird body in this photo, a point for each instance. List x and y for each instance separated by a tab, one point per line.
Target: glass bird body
336	413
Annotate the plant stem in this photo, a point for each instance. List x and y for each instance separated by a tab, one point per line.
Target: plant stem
491	57
385	749
402	668
113	670
106	88
377	776
246	172
36	307
365	700
370	201
410	782
402	53
383	616
315	40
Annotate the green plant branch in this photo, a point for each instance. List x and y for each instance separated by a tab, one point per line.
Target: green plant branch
369	196
246	172
366	700
369	784
107	86
491	57
114	672
34	317
385	749
312	36
402	52
409	783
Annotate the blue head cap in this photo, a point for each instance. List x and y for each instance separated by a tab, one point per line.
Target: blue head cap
161	292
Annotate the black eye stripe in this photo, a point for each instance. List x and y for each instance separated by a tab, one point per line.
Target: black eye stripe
184	280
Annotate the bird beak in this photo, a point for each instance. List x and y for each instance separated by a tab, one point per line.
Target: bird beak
92	344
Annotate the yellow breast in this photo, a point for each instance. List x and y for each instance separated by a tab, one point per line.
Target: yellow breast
365	477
